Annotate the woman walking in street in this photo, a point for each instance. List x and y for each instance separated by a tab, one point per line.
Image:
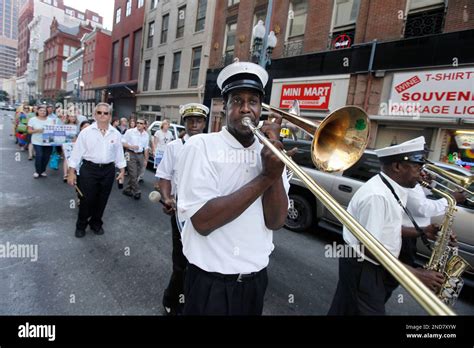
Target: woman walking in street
43	152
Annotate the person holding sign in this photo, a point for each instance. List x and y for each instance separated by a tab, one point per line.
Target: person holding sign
43	151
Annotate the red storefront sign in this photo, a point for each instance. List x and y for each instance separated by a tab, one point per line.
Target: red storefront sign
311	96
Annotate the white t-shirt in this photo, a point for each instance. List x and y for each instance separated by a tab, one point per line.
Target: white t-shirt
421	208
214	165
36	123
377	210
167	168
163	139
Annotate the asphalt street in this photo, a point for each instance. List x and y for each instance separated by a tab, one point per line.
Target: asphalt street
125	271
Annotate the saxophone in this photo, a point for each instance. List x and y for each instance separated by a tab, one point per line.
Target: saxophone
444	258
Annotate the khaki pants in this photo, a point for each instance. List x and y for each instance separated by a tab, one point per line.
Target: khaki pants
134	166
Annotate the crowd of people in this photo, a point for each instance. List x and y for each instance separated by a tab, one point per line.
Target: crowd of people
224	205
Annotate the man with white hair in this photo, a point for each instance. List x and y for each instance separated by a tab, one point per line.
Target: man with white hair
99	147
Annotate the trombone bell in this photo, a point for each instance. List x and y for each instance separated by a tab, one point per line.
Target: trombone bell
338	141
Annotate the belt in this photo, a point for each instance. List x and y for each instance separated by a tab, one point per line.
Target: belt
238	277
98	165
137	153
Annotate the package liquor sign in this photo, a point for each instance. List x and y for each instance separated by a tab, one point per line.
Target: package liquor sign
312	96
444	93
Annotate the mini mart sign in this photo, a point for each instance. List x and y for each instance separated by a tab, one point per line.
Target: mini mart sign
312	96
443	93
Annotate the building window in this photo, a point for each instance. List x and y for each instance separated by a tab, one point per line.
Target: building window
159	73
69	12
137	39
195	64
346	12
140	3
125	57
95	19
164	28
229	43
232	2
425	17
128	10
175	71
201	15
153	4
297	18
146	75
80	16
151	33
66	51
118	14
115	61
181	21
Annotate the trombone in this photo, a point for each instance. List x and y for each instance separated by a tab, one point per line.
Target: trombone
459	181
338	142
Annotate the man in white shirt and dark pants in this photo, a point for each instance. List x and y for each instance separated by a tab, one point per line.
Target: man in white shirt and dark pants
364	285
135	141
99	147
232	194
194	117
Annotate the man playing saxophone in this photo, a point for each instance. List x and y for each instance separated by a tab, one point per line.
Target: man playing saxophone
364	287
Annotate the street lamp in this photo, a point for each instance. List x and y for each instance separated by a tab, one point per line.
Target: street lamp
263	44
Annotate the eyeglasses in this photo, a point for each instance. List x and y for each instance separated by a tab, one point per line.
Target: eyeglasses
102	113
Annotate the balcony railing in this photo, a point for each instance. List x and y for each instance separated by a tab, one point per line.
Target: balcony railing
227	59
293	48
424	23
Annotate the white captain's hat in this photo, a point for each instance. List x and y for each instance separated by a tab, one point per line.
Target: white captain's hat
242	75
411	151
193	109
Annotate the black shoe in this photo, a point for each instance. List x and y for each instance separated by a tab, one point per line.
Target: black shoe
98	231
137	196
127	193
80	233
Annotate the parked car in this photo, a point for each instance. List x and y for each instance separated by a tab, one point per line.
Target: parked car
175	129
306	211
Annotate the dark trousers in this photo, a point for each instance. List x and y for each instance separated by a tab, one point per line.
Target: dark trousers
408	251
43	153
174	293
95	183
134	166
363	288
217	294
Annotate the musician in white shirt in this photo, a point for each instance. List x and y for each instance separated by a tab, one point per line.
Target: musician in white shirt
232	194
364	286
194	117
135	141
99	147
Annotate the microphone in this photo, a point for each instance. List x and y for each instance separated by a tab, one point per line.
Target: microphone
155	197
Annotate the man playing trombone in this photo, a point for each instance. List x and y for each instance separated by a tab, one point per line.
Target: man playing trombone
233	193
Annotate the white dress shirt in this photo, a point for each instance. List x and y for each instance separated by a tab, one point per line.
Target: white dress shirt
92	146
422	208
214	165
377	210
167	169
134	137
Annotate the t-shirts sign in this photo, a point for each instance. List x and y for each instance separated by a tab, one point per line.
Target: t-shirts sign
443	93
312	96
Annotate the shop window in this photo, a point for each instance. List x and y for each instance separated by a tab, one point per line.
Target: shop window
460	149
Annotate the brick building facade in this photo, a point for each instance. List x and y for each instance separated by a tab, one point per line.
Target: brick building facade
361	48
63	42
